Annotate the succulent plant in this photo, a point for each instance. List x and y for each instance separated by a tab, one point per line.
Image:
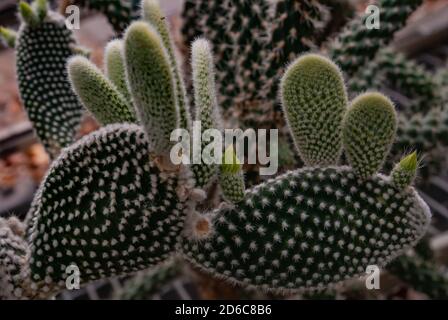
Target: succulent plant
114	202
356	44
424	276
293	28
144	286
43	46
442	80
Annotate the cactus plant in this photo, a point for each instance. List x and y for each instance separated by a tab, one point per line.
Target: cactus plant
13	251
231	178
357	44
424	276
293	28
113	203
43	45
145	285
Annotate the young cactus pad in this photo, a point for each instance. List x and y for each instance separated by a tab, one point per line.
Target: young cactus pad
314	101
369	130
106	208
310	229
404	172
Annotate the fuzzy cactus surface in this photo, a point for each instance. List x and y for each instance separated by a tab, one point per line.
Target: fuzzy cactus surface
391	69
231	177
43	45
13	252
152	84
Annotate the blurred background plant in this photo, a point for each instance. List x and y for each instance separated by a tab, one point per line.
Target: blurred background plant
257	39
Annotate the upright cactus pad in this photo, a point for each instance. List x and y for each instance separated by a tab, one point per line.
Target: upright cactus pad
110	205
309	229
98	94
357	44
43	46
369	130
293	27
312	228
105	208
314	102
152	84
115	69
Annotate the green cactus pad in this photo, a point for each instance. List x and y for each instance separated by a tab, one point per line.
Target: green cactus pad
106	208
356	44
392	70
114	68
314	102
206	104
152	84
42	53
369	130
100	96
293	29
310	229
423	276
152	13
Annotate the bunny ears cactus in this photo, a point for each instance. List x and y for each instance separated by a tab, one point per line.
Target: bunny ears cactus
110	205
314	227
